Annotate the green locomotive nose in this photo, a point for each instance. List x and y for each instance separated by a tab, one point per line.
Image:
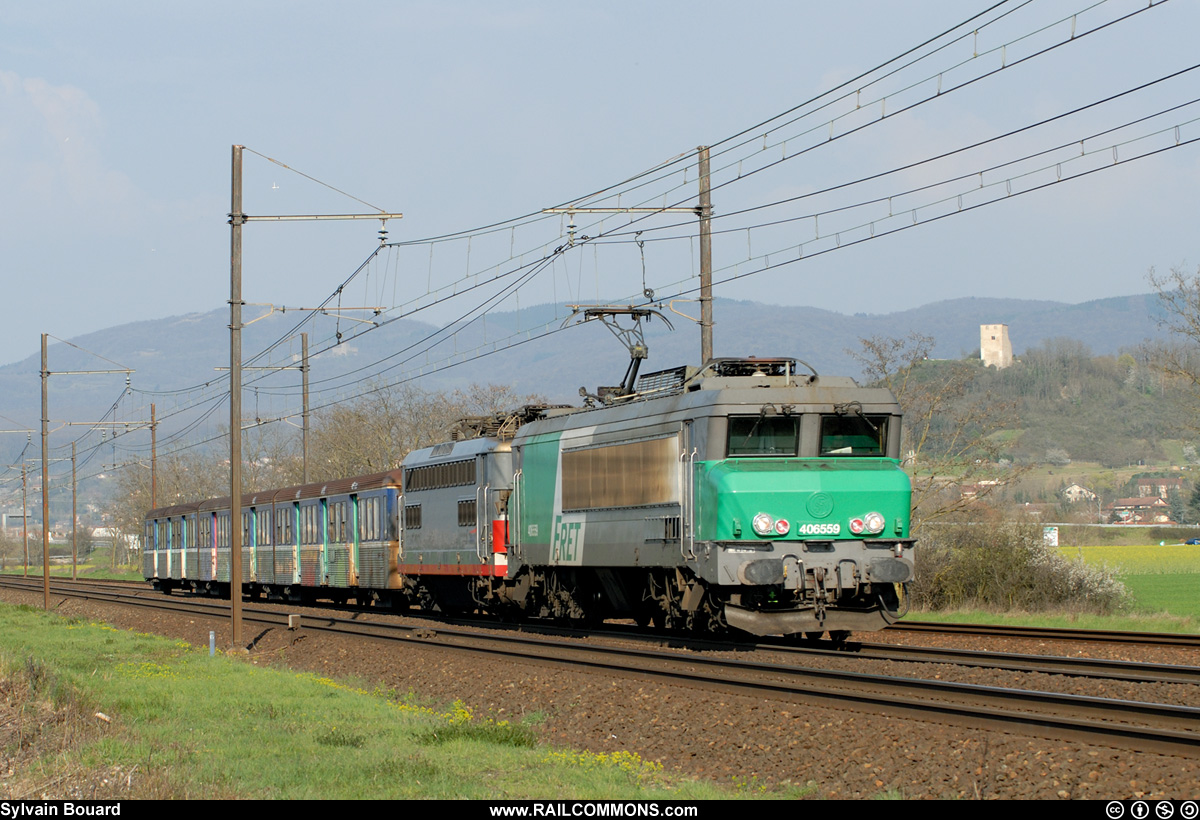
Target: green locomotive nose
745	499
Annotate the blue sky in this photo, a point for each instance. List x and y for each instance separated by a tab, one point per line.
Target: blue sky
116	122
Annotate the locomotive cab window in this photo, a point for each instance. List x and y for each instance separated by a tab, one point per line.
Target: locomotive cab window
759	436
854	435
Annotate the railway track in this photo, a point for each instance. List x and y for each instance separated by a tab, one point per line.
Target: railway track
1050	633
1049	664
1153	727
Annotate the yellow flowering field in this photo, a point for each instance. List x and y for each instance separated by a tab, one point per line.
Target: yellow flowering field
1151	559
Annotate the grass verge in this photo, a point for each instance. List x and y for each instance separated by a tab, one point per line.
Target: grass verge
154	718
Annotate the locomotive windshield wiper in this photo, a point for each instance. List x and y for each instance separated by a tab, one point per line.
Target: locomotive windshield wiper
855	408
764	411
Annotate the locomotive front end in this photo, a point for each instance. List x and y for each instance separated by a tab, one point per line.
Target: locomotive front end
806	517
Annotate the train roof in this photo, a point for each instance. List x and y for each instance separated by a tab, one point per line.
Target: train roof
449	451
297	492
723	387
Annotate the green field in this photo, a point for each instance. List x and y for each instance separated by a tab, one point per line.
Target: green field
1173	594
1161	579
162	718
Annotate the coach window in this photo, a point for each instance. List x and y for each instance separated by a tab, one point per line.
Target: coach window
759	436
308	524
263	536
337	521
368	519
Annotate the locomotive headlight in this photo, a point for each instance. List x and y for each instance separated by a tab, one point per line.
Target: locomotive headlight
764	524
782	526
856	526
873	522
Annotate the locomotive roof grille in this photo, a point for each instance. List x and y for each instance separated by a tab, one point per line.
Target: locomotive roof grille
663	380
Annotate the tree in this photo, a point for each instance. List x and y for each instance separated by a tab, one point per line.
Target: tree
1057	456
1178	507
376	431
10	550
1179	295
184	477
948	434
1193	505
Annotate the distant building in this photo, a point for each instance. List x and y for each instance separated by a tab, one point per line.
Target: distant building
1077	492
1141	510
977	489
994	347
1147	487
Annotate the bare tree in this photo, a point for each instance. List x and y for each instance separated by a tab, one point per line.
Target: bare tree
948	440
1179	361
191	475
10	550
376	431
271	457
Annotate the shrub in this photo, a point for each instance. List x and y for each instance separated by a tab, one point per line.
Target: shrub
1006	566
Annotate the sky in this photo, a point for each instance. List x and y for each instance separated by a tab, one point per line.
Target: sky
117	121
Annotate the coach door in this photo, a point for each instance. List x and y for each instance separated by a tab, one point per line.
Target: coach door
356	544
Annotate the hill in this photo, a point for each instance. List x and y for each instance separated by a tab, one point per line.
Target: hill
179	353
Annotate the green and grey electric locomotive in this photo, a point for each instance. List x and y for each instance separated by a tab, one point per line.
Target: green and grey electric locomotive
742	495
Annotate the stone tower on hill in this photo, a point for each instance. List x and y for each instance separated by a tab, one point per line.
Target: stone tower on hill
994	347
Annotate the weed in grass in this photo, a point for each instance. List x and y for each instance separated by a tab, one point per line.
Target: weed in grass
35	674
340	737
499	733
535	718
752	787
412	767
748	784
890	794
262	710
146	669
629	762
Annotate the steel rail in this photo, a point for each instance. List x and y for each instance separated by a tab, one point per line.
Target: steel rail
1051	633
1097	668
